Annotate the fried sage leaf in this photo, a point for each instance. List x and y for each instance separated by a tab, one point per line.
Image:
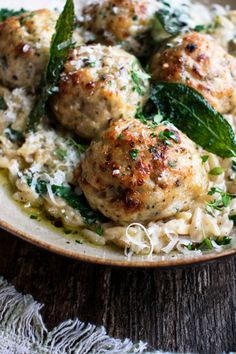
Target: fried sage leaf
60	46
74	200
189	111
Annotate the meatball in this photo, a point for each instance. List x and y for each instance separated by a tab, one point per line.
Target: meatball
24	48
124	22
99	83
197	61
134	173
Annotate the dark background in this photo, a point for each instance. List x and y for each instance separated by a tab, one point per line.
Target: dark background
178	310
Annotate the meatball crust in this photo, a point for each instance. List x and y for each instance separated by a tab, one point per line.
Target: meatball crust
137	174
123	22
199	62
99	83
24	48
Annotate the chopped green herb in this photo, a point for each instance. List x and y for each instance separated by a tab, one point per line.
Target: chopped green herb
152	135
61	154
205	28
134	18
204	158
219	204
167	135
60	45
233	165
216	171
79	242
3	105
15	136
171	164
67	232
206	244
99	230
200	28
120	136
34	217
138	79
79	147
134	153
5	13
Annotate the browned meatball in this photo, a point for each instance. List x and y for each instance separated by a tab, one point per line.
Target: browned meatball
24	48
123	22
197	61
99	83
137	174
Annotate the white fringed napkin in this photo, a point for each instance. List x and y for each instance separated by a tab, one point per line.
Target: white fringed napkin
22	331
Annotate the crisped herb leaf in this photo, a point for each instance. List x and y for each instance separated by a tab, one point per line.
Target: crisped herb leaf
15	136
169	20
3	105
190	112
76	201
5	13
60	45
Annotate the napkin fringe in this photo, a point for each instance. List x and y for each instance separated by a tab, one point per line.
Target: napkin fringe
22	331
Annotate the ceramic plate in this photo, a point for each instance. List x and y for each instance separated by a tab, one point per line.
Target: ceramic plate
18	222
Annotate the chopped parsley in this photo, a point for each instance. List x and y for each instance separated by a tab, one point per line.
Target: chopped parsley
233	167
61	154
99	230
134	153
216	171
33	217
138	78
206	244
15	136
167	135
79	242
204	158
172	164
79	147
219	204
3	105
5	13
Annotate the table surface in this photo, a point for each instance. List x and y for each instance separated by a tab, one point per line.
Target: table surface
177	310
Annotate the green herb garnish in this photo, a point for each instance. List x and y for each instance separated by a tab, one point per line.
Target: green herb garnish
3	105
79	147
216	171
233	165
74	200
15	136
60	45
138	78
134	153
5	13
61	154
33	217
206	244
168	135
189	111
219	204
169	21
204	158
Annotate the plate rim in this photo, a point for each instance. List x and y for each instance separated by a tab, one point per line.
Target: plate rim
170	263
